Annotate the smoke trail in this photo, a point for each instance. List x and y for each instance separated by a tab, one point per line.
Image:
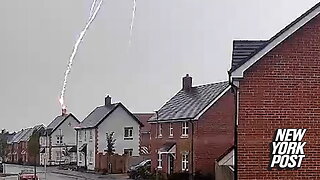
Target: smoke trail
132	19
74	52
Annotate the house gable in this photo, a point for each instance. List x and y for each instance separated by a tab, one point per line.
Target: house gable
116	122
239	70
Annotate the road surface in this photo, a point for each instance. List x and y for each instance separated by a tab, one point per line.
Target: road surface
54	174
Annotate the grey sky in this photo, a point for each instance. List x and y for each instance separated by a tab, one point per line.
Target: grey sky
170	38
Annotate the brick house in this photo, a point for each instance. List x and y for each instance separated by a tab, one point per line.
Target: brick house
144	132
102	121
277	83
17	150
193	128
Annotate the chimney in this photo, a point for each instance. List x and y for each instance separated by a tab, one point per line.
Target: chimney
187	83
64	111
107	101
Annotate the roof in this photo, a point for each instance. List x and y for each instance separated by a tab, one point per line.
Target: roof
30	131
225	153
242	49
58	121
188	104
102	112
13	139
275	40
20	135
143	118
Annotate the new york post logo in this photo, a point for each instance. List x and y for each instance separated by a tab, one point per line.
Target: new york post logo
286	150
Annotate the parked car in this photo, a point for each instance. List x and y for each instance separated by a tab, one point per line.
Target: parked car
141	170
27	175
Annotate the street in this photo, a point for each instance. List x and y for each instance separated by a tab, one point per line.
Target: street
54	174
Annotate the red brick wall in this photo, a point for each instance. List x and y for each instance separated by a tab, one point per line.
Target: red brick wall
214	133
281	91
182	144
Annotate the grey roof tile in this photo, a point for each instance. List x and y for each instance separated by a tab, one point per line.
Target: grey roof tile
98	114
56	121
188	104
242	49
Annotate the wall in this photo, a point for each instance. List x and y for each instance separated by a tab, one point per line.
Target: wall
183	144
69	137
85	139
116	122
281	91
214	132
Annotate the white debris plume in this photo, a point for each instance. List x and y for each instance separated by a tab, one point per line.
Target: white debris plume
75	49
132	19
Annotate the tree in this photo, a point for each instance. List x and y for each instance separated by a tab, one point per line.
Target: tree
3	143
34	149
110	143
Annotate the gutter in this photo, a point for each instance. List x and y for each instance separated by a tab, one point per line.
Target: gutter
235	91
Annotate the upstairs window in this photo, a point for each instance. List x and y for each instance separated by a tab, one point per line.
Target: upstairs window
59	139
90	134
159	130
185	129
80	135
128	133
171	130
85	135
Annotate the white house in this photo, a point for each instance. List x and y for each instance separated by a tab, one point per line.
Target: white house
58	142
106	119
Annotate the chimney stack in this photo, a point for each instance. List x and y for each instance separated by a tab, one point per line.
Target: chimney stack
107	101
64	111
187	83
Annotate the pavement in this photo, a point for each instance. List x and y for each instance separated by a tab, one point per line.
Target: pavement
90	175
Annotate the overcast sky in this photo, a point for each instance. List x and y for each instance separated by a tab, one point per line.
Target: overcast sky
170	38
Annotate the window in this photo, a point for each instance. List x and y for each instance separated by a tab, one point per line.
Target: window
159	130
85	135
159	161
90	135
58	155
185	162
80	135
128	151
171	130
90	157
59	139
128	133
185	129
80	157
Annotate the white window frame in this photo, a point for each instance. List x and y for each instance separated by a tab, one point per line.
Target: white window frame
185	129
90	157
129	134
185	162
159	130
171	130
159	161
90	135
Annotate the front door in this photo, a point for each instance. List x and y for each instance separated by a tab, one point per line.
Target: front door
170	163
